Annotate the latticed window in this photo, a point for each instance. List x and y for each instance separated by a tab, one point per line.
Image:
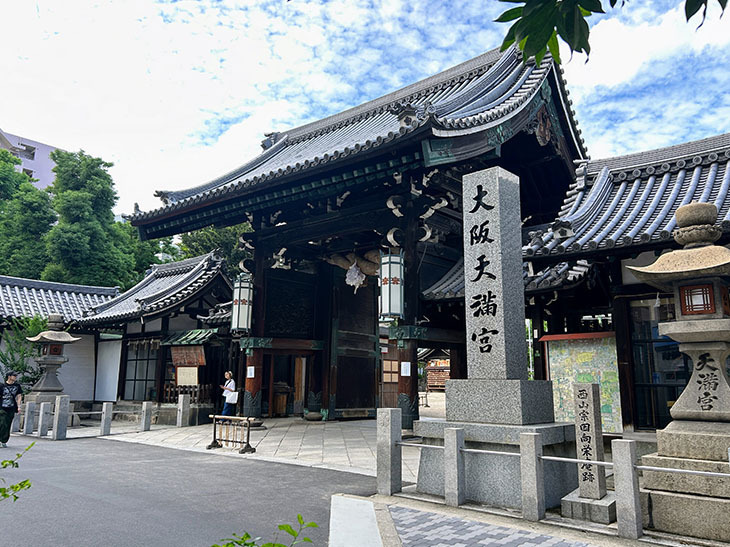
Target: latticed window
697	299
390	371
139	382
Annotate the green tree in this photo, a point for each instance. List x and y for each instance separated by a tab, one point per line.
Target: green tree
10	179
17	353
25	219
538	23
86	246
225	240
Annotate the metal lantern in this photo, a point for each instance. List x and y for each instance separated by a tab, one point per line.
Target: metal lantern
242	307
391	283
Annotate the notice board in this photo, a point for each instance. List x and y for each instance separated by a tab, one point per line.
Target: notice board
585	358
188	356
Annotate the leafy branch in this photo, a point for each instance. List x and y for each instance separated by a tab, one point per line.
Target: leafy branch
245	539
12	491
538	24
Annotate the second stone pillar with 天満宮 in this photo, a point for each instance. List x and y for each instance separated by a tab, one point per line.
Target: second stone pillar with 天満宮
496	403
698	438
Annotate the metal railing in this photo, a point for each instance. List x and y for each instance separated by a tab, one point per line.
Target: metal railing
624	464
232	430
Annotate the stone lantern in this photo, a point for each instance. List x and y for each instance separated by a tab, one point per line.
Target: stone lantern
51	358
698	438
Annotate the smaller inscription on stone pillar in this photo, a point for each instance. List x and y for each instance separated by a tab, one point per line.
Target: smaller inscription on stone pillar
589	440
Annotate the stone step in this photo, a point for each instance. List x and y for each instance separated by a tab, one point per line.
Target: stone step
686	514
688	484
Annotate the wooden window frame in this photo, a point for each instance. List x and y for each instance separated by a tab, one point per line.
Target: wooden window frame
708	296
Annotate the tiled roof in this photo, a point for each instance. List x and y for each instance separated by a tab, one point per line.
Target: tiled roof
220	315
28	297
195	337
474	96
165	286
451	285
630	200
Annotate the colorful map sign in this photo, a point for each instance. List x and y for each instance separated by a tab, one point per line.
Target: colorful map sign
585	360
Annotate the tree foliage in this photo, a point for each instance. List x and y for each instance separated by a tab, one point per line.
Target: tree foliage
12	491
538	23
225	240
17	353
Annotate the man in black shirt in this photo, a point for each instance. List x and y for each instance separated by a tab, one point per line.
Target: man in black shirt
10	395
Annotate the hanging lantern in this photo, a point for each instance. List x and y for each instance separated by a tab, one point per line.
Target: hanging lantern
391	283
242	305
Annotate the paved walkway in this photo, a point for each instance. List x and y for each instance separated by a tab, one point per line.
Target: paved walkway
384	521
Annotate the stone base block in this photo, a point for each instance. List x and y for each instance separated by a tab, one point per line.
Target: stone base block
695	440
686	514
492	479
514	402
688	484
602	511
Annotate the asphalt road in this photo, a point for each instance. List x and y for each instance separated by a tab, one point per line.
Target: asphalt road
107	493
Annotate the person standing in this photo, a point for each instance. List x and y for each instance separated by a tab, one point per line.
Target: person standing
10	396
230	394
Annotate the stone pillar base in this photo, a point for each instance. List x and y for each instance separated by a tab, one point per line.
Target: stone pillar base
491	479
513	402
602	511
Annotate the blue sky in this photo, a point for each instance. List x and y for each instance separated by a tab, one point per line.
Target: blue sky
176	93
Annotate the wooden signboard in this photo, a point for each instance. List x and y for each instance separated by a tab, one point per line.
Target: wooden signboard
188	356
187	376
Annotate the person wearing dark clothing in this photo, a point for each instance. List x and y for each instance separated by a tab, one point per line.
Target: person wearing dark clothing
10	396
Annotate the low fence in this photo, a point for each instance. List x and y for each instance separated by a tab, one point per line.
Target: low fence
232	430
199	394
55	418
625	470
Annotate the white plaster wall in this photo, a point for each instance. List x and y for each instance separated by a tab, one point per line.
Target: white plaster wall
77	375
153	326
107	370
133	328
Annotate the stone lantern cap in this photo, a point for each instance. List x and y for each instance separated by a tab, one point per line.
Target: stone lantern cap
698	259
53	337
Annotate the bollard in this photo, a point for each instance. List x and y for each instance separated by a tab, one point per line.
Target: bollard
626	481
388	461
183	410
60	417
454	483
15	425
44	419
145	420
533	481
106	418
29	418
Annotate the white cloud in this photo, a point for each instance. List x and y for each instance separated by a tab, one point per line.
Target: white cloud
177	93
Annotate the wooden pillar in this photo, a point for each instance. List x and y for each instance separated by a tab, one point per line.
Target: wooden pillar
408	385
457	363
622	327
255	361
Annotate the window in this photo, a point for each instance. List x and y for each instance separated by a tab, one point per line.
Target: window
139	382
390	371
660	371
697	299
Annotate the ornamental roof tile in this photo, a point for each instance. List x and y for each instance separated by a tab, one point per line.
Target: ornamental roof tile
562	275
626	201
29	297
474	96
164	287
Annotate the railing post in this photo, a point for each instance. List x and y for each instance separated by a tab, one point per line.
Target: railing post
60	417
145	420
388	461
106	418
533	481
44	419
454	484
626	483
29	418
15	425
183	410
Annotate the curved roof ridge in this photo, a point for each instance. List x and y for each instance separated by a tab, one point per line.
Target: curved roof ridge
487	58
667	153
56	286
